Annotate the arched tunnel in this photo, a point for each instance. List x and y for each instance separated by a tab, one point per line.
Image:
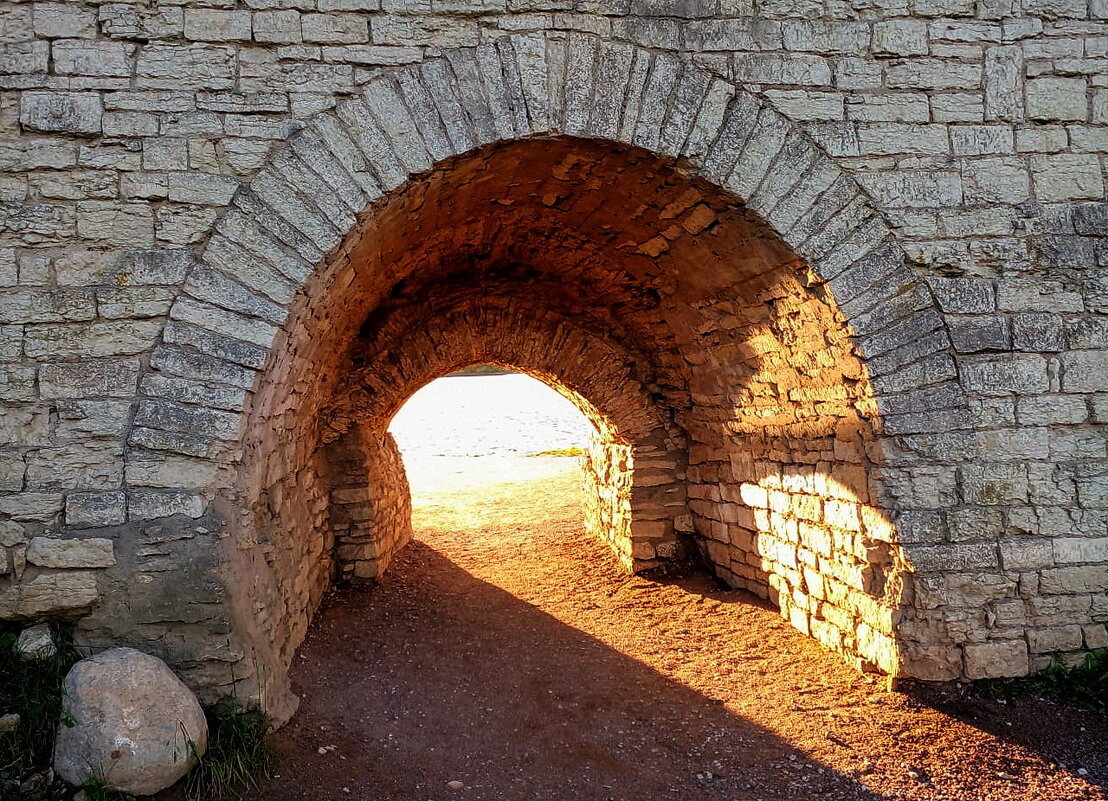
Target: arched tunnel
734	418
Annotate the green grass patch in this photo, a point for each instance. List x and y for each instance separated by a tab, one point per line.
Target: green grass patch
239	756
33	690
1083	686
97	789
575	451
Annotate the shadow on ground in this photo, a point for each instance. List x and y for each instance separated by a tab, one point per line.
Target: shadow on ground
506	652
514	704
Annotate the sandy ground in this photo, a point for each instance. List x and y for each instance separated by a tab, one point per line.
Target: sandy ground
505	657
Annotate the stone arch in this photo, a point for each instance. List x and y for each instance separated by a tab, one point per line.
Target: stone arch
634	470
241	320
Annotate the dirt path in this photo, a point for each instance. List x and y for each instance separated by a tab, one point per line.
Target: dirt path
505	657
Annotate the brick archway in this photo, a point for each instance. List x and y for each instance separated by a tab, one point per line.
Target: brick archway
823	343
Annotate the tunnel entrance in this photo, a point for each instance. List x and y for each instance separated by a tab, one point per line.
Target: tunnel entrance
704	349
473	440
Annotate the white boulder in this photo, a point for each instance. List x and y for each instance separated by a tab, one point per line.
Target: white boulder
129	721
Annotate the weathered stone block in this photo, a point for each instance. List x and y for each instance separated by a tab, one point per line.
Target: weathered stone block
202	188
1054	639
1026	554
82	553
1074	580
1064	176
994	484
217	25
57	593
101	378
996	659
1085	371
63	112
1075	550
64	20
95	509
148	505
101	59
1051	99
120	224
900	38
90	340
279	26
1005	373
193	66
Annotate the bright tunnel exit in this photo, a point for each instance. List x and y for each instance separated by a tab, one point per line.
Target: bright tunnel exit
447	427
475	436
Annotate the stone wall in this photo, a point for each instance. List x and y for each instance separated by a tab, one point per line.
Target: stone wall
887	369
370	504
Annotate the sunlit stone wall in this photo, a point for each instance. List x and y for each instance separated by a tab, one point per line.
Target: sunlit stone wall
906	451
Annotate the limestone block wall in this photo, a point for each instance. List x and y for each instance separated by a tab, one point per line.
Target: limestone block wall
914	457
370	504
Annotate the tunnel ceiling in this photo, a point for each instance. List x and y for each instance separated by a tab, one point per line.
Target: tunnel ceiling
610	237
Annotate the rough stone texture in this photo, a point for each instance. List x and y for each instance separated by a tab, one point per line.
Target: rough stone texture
134	724
36	642
866	304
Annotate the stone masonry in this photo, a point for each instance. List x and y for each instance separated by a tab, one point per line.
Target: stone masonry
830	278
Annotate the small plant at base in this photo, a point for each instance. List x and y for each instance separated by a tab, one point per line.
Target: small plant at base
97	789
33	690
238	755
1084	685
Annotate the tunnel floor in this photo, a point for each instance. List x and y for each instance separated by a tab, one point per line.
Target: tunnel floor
505	657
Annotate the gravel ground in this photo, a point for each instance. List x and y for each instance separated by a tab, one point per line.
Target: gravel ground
505	657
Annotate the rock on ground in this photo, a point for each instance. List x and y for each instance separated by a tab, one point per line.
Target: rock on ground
135	724
36	643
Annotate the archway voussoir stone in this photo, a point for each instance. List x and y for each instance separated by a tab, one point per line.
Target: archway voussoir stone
313	193
884	305
436	76
789	168
659	85
213	286
843	195
613	72
739	122
383	99
315	154
806	194
461	74
578	83
530	51
914	330
253	238
684	108
839	228
255	271
709	119
767	136
363	129
229	323
866	239
254	201
521	78
417	98
490	84
333	137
